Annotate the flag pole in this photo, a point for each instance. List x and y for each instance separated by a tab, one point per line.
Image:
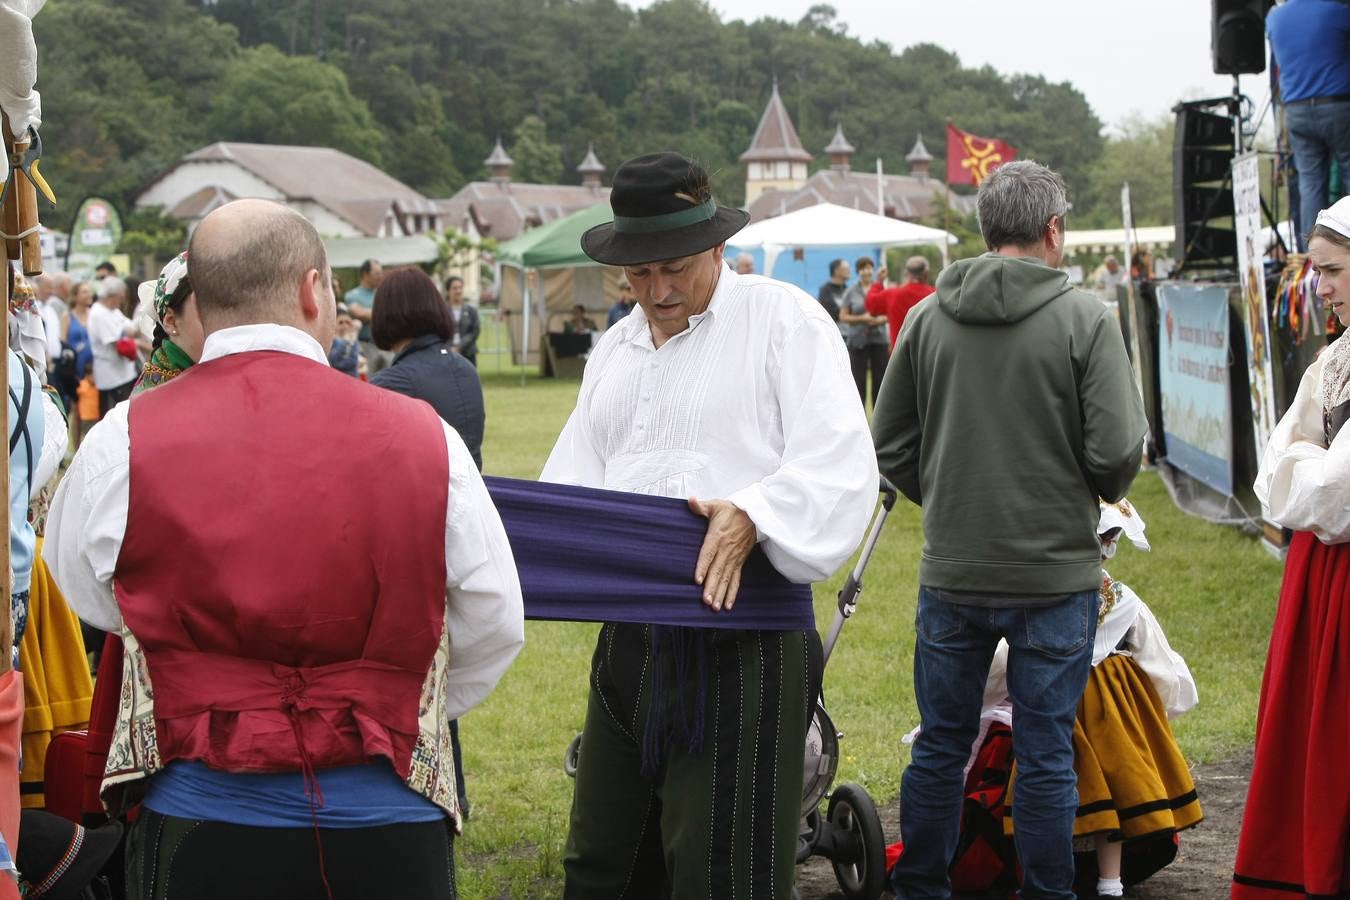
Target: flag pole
881	202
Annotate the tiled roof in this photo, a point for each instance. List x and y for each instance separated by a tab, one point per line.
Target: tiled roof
906	197
776	138
502	210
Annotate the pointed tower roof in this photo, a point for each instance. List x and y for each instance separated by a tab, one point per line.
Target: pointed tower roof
591	164
776	138
499	157
840	144
920	152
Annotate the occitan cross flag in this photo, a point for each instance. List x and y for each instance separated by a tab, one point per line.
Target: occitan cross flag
970	159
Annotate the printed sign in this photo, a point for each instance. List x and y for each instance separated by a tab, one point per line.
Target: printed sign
1193	376
94	236
1251	242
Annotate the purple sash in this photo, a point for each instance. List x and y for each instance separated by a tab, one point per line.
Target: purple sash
589	555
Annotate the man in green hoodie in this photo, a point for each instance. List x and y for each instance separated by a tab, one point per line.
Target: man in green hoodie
1007	409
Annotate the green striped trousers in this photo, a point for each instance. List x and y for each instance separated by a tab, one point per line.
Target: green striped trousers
718	823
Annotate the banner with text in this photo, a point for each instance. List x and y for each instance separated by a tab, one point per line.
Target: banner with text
1193	375
94	236
1251	240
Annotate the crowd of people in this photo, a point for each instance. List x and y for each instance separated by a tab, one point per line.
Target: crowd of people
284	674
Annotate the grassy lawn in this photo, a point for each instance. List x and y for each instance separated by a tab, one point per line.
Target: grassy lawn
1212	588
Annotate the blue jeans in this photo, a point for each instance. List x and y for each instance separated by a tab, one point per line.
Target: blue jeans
1050	655
1318	132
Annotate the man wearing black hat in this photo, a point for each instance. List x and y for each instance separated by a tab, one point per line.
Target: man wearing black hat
734	393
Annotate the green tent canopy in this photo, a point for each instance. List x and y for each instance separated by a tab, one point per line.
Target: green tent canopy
555	245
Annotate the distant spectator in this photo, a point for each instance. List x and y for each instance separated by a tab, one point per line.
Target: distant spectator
50	308
1141	265
1309	41
868	348
1110	276
896	302
361	301
745	264
579	323
345	354
112	340
465	318
831	293
103	270
627	300
75	364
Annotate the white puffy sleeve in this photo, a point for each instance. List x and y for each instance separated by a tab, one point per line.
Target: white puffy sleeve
812	511
1165	668
1302	483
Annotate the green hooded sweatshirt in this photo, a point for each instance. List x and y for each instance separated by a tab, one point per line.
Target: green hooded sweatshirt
1008	408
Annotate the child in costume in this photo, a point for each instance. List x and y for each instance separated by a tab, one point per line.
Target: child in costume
1135	791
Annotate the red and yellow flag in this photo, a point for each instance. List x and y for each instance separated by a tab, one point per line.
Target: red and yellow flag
970	159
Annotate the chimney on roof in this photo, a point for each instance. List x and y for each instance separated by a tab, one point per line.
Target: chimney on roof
919	158
499	164
591	169
840	150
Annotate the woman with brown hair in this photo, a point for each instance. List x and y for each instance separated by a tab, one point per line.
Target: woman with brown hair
410	319
1294	839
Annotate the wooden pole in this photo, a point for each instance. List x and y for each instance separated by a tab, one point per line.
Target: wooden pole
24	199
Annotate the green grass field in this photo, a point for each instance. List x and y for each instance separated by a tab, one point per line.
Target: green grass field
1212	588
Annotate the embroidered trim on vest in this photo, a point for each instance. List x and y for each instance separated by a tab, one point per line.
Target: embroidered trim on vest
134	753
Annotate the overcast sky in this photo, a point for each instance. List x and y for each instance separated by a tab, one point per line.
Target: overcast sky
1126	57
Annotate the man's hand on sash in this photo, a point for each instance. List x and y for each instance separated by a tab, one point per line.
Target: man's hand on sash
731	536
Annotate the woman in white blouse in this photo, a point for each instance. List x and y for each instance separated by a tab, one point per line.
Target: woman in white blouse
1294	832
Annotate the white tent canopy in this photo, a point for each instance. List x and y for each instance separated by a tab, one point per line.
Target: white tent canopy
829	225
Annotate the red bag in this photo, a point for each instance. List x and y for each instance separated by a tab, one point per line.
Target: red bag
986	861
126	347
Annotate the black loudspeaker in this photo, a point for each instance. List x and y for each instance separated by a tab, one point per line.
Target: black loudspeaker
1238	36
1202	191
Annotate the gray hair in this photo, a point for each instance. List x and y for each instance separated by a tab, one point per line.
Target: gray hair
1017	201
111	286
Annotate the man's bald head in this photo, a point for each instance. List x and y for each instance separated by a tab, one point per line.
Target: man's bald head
248	262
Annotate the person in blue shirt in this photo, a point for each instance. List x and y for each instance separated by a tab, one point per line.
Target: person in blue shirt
1310	41
627	300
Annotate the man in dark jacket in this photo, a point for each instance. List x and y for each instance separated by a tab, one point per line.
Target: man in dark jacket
465	317
1007	409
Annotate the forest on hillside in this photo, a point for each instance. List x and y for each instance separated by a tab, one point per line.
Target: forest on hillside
422	88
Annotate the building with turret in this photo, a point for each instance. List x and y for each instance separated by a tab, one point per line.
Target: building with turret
776	160
776	179
500	208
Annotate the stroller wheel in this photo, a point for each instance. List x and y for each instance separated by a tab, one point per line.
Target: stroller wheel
862	874
571	756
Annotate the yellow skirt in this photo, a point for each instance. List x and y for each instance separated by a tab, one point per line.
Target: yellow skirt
56	683
1132	778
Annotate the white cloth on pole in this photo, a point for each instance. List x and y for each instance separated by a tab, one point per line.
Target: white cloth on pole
18	69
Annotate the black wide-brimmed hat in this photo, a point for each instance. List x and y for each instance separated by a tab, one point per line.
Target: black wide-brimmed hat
57	858
663	209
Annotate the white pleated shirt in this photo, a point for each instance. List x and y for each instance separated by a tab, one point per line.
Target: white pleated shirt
88	522
1303	484
753	403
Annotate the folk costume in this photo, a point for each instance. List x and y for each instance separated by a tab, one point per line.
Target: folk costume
1133	783
1294	840
690	770
168	359
298	690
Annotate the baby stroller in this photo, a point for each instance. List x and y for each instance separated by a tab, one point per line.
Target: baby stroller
849	834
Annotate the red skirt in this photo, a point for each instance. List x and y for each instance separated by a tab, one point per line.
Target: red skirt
1295	839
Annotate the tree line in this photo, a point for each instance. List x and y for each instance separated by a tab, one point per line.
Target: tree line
422	89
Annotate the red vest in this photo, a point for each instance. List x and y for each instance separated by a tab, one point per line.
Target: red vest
284	563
